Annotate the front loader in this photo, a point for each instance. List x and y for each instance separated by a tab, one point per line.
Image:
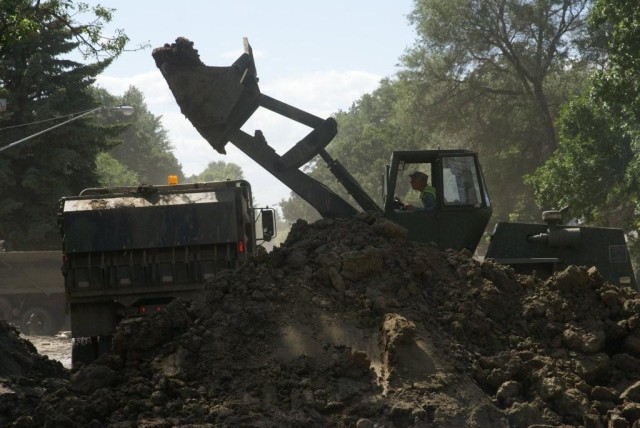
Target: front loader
219	100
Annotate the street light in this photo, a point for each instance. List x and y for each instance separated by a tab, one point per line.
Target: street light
125	110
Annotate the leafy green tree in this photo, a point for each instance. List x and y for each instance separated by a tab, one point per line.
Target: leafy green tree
502	47
486	75
146	149
294	207
618	82
41	85
113	173
219	171
596	169
491	76
368	132
589	171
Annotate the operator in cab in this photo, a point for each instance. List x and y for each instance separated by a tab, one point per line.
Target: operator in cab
419	182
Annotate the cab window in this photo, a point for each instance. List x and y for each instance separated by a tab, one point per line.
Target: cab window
404	190
460	181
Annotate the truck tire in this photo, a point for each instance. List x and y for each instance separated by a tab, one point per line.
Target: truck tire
48	324
84	350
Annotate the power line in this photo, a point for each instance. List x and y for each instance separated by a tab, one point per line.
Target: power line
44	120
126	110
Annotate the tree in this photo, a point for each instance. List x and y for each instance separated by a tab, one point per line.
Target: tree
487	75
523	42
368	132
491	75
41	84
219	171
596	169
114	173
146	149
590	170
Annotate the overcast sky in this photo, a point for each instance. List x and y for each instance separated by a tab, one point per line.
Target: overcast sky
317	56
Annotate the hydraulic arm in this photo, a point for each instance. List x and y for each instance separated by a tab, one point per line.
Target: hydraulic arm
219	100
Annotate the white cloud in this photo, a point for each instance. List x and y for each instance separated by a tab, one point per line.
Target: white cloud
319	93
323	93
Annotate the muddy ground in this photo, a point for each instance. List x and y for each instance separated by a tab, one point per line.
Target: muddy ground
56	347
349	324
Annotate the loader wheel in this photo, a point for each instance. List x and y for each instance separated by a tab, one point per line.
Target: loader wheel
47	327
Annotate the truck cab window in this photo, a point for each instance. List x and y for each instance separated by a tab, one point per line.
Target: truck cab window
412	182
460	181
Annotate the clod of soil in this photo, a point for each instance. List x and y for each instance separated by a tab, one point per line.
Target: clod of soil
349	324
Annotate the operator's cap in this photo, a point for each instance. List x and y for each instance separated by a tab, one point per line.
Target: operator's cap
418	174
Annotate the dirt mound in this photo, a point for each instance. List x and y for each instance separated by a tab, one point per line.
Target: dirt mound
349	324
24	374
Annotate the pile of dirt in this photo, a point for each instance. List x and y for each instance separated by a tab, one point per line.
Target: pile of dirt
349	324
25	375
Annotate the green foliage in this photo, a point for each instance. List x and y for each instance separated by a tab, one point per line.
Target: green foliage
219	171
145	147
597	167
491	76
368	133
113	173
16	24
40	85
589	170
295	207
619	83
486	75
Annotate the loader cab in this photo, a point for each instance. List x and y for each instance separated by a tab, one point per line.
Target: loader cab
462	207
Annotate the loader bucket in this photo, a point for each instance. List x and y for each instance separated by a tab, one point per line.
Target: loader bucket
217	100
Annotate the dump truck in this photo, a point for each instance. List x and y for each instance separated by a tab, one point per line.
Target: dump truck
129	251
218	101
32	291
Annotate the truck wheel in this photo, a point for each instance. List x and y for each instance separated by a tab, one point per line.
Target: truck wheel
84	350
46	327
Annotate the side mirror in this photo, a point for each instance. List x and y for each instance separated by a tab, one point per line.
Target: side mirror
268	223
